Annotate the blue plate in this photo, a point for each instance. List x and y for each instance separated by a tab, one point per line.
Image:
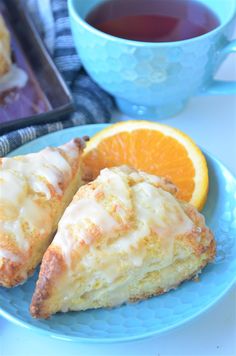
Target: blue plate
158	314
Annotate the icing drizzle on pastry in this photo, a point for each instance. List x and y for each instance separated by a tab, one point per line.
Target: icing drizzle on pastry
155	211
39	170
26	183
9	255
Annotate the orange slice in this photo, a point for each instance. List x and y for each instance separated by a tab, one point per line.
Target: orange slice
154	148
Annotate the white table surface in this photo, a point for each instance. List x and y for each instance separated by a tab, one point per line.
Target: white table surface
211	122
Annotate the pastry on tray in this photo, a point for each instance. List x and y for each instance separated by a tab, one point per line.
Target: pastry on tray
34	192
5	49
123	238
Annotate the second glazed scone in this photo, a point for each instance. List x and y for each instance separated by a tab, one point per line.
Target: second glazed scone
34	192
124	237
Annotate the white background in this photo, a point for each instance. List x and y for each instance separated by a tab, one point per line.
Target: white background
211	122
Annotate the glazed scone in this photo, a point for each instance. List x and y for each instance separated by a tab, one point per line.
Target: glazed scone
5	48
34	192
124	237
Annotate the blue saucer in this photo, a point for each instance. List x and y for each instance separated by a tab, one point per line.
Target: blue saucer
158	314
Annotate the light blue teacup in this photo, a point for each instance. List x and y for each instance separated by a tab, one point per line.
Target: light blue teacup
155	80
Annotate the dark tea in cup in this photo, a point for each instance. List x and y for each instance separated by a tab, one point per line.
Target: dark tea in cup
153	20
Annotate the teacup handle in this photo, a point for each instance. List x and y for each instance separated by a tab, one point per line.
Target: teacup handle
221	87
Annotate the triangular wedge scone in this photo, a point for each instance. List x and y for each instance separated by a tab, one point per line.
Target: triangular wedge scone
124	237
34	192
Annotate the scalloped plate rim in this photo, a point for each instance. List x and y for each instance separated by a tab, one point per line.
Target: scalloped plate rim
58	335
100	340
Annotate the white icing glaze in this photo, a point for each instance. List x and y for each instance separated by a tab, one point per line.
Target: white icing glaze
116	185
161	210
47	165
124	243
88	209
54	158
9	255
15	78
37	217
78	215
21	179
163	214
40	186
15	228
14	192
71	149
66	241
156	211
137	176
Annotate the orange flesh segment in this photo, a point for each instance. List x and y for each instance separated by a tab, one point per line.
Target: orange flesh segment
147	150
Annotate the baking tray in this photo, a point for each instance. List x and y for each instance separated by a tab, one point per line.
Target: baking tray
45	93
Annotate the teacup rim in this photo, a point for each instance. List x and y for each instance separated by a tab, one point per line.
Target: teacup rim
124	41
